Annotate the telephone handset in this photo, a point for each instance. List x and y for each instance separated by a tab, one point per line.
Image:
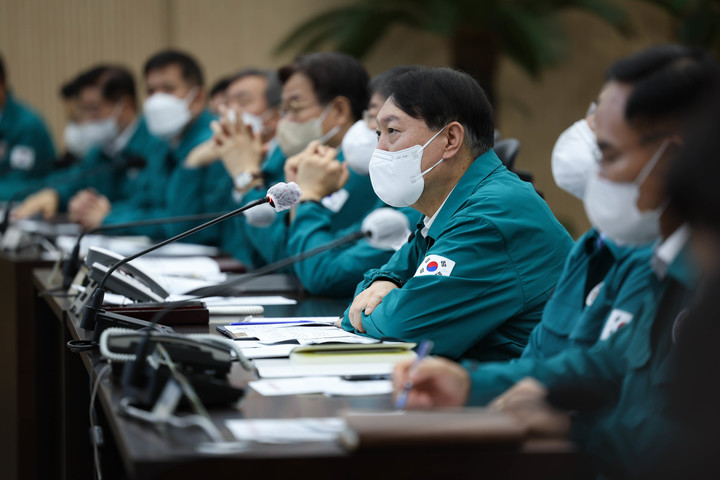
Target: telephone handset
128	280
204	360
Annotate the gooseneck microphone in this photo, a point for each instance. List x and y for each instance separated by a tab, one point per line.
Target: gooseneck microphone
384	228
281	196
72	264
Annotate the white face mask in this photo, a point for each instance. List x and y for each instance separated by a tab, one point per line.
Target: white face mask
81	137
166	115
612	207
293	137
358	146
75	142
397	177
575	158
254	121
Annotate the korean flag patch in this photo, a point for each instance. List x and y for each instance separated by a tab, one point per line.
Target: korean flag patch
435	265
22	157
616	320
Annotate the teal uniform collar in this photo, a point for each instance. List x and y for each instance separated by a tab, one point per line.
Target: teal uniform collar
478	171
671	258
196	126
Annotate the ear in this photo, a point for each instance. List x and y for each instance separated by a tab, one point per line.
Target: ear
198	103
128	104
455	133
341	111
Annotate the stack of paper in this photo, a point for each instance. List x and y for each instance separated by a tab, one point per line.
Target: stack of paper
289	430
324	385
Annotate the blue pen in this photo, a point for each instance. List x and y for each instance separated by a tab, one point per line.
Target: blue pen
269	323
423	351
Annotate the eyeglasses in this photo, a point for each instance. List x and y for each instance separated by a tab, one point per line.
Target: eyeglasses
294	107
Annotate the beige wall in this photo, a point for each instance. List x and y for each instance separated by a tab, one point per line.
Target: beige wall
45	42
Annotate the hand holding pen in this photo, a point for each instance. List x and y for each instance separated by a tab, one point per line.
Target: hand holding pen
430	383
423	351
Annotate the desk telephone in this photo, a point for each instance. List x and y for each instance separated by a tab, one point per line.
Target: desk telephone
129	280
205	360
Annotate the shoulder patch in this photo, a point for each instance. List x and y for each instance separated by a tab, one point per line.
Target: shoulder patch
616	320
22	157
435	265
336	200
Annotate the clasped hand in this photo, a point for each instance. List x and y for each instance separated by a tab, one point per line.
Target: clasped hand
316	171
233	142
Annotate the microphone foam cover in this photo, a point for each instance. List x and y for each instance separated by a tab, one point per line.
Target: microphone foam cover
260	216
284	196
387	228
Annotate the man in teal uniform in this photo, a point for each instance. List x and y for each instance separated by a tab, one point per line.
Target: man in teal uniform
247	149
26	148
323	95
488	253
336	272
599	280
124	165
619	386
174	111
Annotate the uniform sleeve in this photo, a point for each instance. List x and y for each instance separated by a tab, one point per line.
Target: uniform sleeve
68	183
334	272
31	159
489	380
268	243
146	199
30	156
600	368
198	190
574	365
462	306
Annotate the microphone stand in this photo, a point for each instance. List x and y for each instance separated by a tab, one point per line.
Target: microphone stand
91	310
72	264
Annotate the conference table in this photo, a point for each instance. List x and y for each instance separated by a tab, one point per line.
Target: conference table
23	376
133	449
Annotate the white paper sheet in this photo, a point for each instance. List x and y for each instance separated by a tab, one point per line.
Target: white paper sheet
325	385
268	351
291	430
306	333
234	301
129	245
203	268
283	368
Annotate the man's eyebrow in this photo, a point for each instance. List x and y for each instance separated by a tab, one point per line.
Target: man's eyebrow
386	119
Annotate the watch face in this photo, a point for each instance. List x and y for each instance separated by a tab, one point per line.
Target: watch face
242	180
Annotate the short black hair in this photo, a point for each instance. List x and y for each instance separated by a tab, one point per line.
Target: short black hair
90	77
379	83
69	89
273	91
2	70
116	83
440	95
220	86
332	75
191	71
669	81
692	182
